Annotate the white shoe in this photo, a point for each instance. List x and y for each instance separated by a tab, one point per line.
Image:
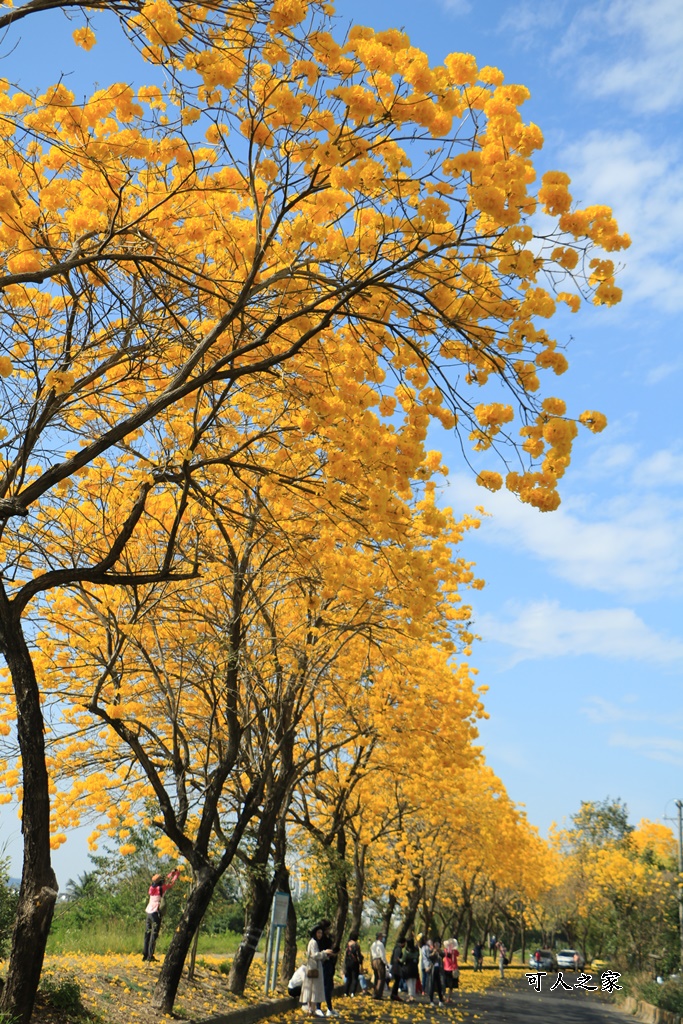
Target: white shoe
319	1013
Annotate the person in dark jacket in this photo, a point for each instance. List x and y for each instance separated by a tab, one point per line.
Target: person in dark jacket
329	966
353	964
411	958
435	991
397	967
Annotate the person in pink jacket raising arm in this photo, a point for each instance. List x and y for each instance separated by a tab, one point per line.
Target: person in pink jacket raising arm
154	910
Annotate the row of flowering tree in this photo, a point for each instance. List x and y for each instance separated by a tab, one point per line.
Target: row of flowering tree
232	302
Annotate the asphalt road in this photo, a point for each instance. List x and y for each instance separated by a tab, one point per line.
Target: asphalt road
509	1002
514	1002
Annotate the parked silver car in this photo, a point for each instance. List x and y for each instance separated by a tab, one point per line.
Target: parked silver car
570	960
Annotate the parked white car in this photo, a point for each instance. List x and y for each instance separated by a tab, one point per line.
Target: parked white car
569	960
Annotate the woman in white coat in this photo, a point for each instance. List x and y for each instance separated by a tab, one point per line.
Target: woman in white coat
313	988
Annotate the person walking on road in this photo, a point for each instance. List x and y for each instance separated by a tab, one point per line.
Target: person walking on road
378	955
478	956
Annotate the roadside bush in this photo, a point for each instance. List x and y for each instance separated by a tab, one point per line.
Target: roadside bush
668	996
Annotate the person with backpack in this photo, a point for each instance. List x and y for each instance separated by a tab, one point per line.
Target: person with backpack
353	964
155	910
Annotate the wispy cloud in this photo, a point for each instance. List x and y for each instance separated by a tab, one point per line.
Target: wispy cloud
656	748
646	72
630	544
457	7
545	629
640	180
663	370
626	50
606	712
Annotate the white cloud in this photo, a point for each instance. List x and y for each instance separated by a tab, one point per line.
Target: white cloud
627	50
648	73
527	19
630	544
543	629
662	468
663	370
606	712
457	7
656	748
640	180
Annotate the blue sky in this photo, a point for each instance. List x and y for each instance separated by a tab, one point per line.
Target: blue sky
581	618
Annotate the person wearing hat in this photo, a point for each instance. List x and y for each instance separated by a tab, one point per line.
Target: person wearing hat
153	910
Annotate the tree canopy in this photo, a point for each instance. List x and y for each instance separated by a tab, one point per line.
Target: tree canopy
232	304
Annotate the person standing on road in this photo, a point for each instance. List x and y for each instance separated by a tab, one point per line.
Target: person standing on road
451	972
378	955
313	988
397	968
426	967
478	956
411	957
328	967
502	958
154	910
353	964
436	986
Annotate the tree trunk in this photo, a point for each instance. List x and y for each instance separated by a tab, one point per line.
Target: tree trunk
468	933
38	891
289	952
339	923
411	911
388	913
193	955
261	895
523	938
358	889
174	961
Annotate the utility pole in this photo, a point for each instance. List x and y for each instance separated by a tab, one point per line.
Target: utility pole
679	805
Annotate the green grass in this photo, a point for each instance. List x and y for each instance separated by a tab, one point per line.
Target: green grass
122	937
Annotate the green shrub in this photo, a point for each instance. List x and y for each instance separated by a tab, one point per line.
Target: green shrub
64	994
668	996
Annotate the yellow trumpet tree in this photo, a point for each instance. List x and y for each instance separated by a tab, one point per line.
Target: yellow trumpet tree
220	694
161	245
